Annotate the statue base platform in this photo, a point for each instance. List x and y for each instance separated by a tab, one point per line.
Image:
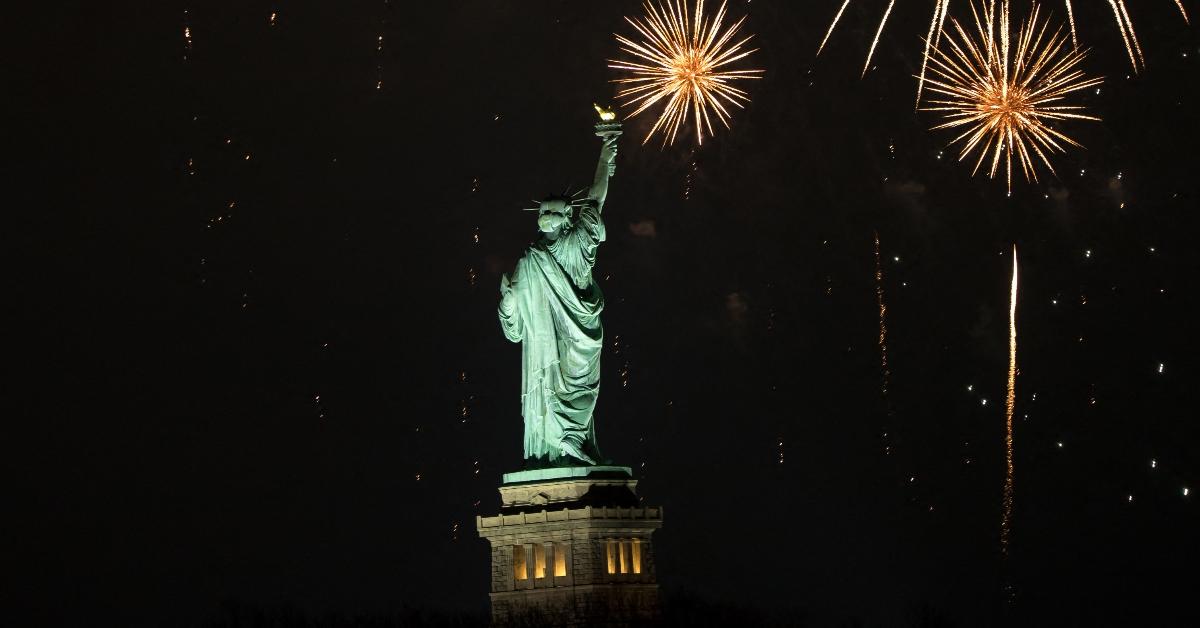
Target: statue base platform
572	546
549	488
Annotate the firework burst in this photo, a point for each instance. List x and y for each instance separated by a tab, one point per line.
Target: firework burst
682	60
942	7
1006	94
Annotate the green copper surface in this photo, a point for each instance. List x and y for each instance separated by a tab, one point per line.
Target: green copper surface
551	305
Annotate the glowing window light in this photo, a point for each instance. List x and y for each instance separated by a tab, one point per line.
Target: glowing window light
560	559
520	569
637	555
611	551
539	561
624	556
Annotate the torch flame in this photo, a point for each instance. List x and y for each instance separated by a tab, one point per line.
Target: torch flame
606	115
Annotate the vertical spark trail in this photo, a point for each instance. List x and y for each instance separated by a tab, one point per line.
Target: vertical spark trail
1071	20
935	28
1179	3
883	362
187	36
1009	406
875	42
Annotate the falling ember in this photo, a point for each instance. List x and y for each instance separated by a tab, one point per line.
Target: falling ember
883	362
187	38
1009	405
1004	96
681	62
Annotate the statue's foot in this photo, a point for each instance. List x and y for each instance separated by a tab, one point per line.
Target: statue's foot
569	448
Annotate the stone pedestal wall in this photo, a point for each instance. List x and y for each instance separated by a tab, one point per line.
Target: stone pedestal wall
606	573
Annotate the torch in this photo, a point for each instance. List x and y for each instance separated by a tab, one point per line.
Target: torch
608	125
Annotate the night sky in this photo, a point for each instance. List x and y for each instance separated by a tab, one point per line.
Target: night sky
258	365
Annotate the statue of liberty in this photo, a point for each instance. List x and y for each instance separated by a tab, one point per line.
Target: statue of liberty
551	305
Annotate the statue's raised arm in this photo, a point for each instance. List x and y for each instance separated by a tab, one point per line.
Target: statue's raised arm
604	170
609	131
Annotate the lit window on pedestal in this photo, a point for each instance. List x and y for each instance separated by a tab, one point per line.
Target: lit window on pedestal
560	560
520	570
539	561
637	556
610	548
625	556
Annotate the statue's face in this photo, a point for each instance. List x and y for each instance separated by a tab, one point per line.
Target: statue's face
553	216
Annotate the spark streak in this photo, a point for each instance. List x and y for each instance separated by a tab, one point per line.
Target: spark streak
829	32
681	60
1009	405
1126	26
934	37
1071	20
875	42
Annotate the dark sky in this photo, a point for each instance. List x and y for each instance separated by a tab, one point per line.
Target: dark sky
304	404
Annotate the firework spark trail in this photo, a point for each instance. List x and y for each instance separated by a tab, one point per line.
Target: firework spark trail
1009	406
1071	21
875	42
831	27
882	317
681	60
1006	95
1126	26
933	38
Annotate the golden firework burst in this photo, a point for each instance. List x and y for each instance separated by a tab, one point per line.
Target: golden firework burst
682	59
942	7
1007	95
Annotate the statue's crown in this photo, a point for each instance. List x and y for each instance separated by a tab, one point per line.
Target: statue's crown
563	203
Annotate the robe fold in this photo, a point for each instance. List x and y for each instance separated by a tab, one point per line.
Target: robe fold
555	313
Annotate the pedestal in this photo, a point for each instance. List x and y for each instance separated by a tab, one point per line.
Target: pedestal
571	546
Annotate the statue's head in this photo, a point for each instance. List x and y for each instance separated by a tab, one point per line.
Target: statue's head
554	214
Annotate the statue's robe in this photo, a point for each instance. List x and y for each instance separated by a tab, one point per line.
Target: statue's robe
555	314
